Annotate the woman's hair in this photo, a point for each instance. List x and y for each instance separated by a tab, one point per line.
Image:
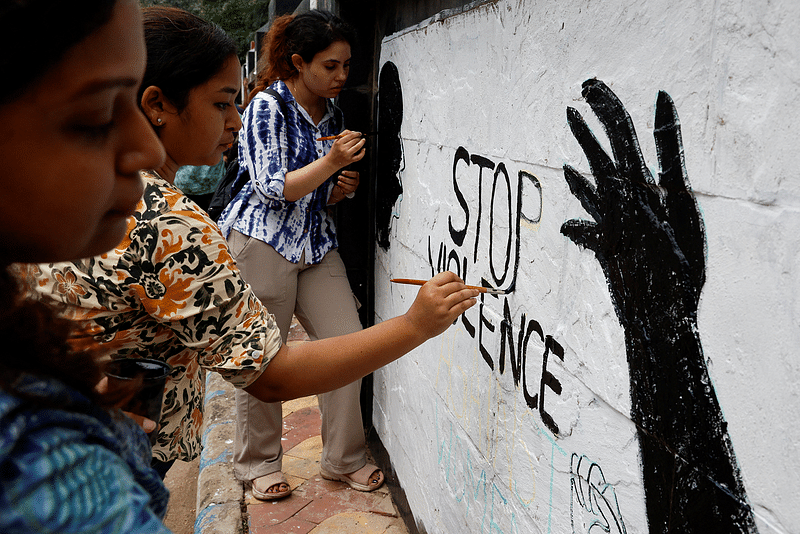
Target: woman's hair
35	35
305	34
183	51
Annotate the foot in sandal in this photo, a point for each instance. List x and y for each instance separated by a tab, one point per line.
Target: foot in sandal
368	478
270	487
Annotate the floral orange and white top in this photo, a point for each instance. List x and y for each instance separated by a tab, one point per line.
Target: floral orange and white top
171	291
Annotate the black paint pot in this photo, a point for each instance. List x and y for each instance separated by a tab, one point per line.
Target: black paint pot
153	375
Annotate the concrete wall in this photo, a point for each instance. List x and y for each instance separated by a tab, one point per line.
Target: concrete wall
642	373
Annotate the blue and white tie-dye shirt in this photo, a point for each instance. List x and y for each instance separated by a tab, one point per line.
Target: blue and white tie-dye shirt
270	146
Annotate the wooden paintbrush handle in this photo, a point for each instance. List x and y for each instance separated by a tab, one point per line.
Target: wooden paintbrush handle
414	282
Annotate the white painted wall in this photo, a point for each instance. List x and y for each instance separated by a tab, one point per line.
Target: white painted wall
496	80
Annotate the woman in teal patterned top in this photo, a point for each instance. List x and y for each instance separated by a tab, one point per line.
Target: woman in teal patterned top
69	461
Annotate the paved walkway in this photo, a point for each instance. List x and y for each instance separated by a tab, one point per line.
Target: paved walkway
316	506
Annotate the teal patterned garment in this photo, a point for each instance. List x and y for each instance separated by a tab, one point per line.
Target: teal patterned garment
68	466
199	180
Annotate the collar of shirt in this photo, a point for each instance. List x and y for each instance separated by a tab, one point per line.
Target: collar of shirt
283	90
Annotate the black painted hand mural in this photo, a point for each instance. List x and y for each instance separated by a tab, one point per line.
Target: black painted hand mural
649	239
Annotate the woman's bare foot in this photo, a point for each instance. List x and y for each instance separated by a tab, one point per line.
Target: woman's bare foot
270	487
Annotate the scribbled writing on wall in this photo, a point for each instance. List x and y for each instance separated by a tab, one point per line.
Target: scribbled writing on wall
649	239
594	506
471	486
496	256
480	490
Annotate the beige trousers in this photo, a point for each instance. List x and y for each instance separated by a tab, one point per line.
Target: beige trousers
321	298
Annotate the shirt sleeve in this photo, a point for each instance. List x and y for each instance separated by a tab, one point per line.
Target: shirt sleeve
265	148
65	485
180	268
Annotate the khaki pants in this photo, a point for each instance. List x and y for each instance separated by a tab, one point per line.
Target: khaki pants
321	298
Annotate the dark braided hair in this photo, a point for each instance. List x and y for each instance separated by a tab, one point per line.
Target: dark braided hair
183	51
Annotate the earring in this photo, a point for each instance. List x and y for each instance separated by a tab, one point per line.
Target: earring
158	120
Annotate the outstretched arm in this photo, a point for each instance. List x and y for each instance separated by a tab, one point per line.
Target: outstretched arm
328	364
649	239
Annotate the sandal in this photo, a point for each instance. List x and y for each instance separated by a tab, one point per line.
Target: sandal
371	474
270	481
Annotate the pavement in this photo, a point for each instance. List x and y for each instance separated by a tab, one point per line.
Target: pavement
317	506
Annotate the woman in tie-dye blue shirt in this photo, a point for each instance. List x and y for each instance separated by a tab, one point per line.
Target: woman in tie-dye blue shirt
270	146
284	240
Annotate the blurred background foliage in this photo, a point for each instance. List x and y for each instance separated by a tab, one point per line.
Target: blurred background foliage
240	18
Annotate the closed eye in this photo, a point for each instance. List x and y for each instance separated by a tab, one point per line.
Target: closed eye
94	133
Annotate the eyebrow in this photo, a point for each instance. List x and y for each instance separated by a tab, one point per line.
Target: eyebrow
230	90
98	86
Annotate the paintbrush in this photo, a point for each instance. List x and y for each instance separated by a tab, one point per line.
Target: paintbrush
330	137
413	282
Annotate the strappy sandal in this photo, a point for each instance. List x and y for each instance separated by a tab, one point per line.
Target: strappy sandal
269	481
367	473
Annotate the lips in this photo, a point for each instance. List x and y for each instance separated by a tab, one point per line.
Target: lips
125	207
119	214
123	210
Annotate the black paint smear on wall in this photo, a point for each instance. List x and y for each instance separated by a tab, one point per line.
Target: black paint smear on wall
390	150
649	239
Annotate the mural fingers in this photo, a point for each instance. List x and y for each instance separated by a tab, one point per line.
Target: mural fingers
619	128
599	162
582	233
681	205
667	134
584	191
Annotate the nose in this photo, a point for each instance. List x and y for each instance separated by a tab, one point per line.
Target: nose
234	122
140	147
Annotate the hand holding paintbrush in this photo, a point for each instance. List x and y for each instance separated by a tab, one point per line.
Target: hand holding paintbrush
438	303
414	282
334	137
345	151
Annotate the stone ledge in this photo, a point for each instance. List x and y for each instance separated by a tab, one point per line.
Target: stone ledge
219	494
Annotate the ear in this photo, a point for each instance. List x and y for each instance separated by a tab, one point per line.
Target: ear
297	61
156	106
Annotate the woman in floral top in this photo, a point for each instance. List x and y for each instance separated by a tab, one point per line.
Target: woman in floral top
170	289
